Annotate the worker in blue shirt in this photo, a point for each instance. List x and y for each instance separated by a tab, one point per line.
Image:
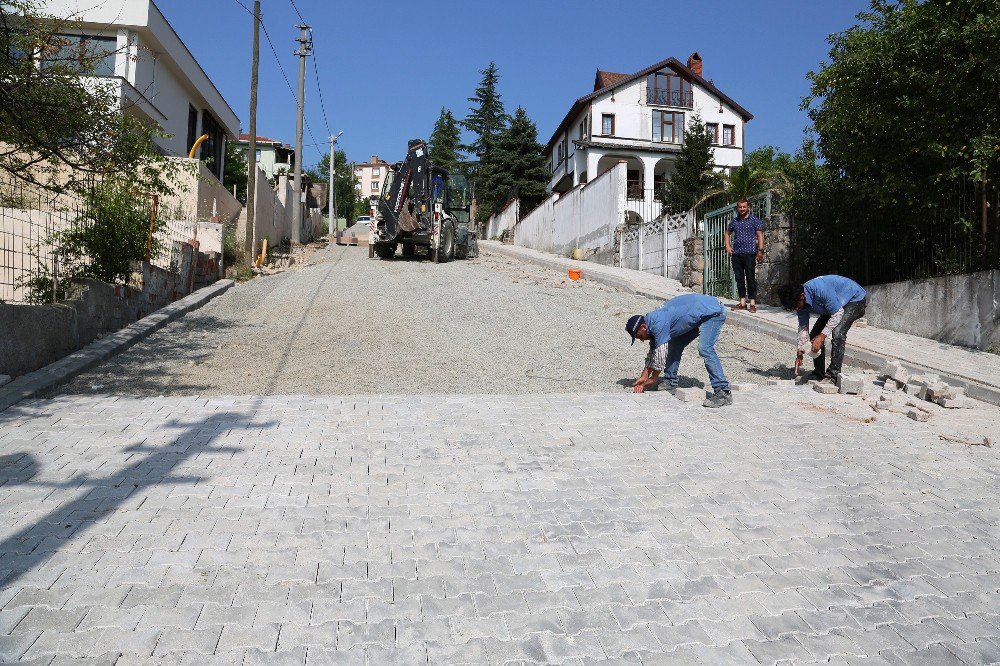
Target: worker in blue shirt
672	327
839	302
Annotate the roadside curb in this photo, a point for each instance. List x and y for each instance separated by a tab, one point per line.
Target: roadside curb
854	355
44	379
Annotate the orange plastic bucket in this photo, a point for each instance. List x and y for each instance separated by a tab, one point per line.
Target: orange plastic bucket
575	273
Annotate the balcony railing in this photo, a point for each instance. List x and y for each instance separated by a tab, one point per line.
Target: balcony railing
679	98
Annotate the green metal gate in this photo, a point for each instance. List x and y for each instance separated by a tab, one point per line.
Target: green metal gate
719	279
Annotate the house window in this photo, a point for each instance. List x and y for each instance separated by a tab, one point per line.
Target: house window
376	172
728	135
583	128
374	186
668	89
215	146
668	126
192	126
713	129
608	124
86	54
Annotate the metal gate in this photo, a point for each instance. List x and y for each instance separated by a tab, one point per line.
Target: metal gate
719	278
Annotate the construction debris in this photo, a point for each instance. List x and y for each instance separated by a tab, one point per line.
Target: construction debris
987	442
825	388
918	415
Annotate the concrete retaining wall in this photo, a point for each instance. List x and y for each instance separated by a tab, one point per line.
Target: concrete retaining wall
957	309
36	335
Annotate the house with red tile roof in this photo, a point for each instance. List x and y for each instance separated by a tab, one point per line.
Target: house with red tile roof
640	119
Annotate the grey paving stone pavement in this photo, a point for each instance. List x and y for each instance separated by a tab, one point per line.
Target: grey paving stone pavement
577	529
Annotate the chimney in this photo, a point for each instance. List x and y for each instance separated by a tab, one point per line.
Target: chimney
374	159
694	63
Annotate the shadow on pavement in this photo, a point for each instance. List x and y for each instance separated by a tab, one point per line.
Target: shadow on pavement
30	547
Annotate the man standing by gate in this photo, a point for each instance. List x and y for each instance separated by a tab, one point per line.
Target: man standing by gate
744	238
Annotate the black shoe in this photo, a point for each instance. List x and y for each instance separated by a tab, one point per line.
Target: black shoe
720	398
672	390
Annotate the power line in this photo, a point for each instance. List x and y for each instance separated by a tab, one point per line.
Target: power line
296	8
281	68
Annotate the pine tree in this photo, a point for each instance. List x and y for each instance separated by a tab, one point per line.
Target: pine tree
445	142
693	178
513	165
487	117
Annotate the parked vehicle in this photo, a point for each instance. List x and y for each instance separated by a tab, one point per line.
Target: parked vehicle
423	209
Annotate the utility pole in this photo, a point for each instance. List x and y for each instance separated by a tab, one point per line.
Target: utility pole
303	52
252	154
332	194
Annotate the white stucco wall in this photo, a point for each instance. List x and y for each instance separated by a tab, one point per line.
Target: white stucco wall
585	217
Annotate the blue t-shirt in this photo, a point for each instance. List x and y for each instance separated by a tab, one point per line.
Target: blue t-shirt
743	234
680	315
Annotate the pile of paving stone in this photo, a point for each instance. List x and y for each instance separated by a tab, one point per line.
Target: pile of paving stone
919	389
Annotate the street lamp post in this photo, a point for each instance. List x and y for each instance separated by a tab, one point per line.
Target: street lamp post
332	195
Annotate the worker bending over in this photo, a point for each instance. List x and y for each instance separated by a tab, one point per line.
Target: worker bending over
838	302
669	329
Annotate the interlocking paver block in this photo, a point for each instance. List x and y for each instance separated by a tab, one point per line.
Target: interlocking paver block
689	394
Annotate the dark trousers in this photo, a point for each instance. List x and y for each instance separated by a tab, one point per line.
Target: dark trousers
838	339
745	270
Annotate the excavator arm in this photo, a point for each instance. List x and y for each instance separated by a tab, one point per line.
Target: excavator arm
406	202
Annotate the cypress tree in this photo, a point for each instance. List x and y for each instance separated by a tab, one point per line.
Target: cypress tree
693	178
487	117
514	164
445	142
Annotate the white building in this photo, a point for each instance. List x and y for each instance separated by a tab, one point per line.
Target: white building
153	72
273	157
640	119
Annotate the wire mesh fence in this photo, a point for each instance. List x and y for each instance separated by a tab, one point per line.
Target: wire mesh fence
30	218
48	239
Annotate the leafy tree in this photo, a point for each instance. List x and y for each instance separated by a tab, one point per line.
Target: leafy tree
693	179
513	166
349	203
60	130
908	97
487	117
445	142
111	232
237	170
763	169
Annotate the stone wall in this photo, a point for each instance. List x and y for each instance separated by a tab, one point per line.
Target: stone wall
772	272
693	267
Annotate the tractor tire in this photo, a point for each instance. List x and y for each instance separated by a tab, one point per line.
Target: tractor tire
409	250
385	250
447	249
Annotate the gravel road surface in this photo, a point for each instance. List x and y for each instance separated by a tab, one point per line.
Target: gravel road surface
348	325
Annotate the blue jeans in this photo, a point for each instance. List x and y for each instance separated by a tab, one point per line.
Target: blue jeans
707	333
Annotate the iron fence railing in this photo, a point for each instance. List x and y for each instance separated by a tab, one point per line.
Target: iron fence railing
955	232
680	98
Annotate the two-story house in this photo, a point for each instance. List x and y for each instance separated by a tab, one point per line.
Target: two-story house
640	119
273	156
370	176
150	70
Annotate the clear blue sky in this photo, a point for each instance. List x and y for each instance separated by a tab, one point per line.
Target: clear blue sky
386	68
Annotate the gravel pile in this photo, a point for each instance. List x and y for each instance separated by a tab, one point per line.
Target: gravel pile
350	325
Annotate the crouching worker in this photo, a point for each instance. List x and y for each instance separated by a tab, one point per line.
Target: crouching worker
669	329
838	302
